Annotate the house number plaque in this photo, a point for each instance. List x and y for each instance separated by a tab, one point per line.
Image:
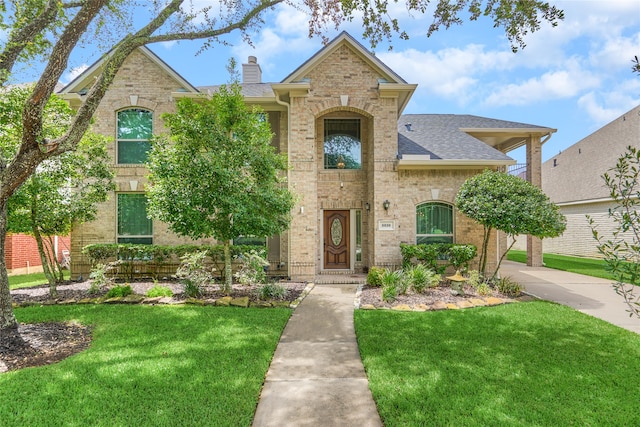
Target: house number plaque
386	225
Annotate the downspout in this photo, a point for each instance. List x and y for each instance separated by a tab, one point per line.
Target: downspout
288	107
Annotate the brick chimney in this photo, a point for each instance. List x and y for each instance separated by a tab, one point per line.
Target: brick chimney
251	72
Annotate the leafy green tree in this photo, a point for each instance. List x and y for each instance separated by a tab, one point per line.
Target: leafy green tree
622	251
510	204
49	31
218	175
63	190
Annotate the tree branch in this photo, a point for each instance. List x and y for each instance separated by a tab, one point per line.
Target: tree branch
20	39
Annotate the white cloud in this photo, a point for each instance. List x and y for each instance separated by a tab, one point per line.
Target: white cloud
604	106
73	73
168	45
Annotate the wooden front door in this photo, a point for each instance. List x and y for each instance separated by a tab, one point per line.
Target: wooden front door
336	240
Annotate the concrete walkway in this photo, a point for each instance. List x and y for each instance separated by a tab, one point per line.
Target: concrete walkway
589	295
316	377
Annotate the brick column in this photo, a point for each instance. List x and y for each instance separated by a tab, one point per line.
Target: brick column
534	176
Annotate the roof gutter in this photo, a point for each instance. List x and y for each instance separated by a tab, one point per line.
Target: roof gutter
414	163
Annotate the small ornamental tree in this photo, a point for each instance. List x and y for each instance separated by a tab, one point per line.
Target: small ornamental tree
218	175
622	251
63	190
510	204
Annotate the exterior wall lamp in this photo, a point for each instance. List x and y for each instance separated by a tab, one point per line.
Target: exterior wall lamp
367	206
386	205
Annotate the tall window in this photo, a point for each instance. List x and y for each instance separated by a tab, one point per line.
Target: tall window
133	224
434	223
342	146
135	127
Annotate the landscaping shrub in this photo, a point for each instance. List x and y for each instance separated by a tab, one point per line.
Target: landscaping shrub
374	277
474	279
272	291
393	283
422	278
99	278
438	256
252	271
508	287
193	273
483	289
119	291
159	291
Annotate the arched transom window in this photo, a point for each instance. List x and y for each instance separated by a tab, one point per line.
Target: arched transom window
342	146
135	127
434	223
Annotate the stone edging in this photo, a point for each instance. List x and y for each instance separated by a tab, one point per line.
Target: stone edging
438	305
139	299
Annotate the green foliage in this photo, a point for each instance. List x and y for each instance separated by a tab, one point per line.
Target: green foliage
272	291
621	252
194	273
421	277
119	291
218	175
438	256
253	269
474	279
64	189
374	276
159	291
508	286
483	289
153	257
510	204
99	277
393	284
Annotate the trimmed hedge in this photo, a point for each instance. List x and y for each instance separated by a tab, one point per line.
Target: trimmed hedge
135	259
438	256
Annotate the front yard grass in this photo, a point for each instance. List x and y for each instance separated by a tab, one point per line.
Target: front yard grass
148	366
30	280
588	266
523	364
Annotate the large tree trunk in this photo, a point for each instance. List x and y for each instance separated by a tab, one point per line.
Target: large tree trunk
7	318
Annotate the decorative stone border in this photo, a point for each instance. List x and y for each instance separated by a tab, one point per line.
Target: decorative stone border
140	299
438	305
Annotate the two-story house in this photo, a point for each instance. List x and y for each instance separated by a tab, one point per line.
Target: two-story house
367	176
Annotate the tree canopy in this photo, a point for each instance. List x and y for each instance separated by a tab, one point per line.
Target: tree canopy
49	31
510	204
218	174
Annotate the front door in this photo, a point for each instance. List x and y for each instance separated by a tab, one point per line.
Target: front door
336	240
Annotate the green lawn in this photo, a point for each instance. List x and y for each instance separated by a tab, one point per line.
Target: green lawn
587	266
524	364
148	366
29	280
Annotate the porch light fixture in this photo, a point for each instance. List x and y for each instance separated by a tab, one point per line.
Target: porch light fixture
367	206
386	205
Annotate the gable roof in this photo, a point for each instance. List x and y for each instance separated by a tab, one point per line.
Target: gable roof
344	38
454	139
73	90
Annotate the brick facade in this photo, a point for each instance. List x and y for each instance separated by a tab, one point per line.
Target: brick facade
343	82
21	253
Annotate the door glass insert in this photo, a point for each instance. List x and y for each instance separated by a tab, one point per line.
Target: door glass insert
336	232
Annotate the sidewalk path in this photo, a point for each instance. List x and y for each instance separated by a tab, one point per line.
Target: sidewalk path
316	377
589	295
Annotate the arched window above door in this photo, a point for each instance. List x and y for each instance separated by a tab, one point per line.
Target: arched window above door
342	144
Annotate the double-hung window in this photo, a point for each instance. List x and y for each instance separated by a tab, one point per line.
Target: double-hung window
135	127
434	223
133	224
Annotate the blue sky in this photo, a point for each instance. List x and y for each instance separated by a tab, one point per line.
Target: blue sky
575	77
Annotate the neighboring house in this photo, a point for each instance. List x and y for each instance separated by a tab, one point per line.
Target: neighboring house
573	180
21	253
367	177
